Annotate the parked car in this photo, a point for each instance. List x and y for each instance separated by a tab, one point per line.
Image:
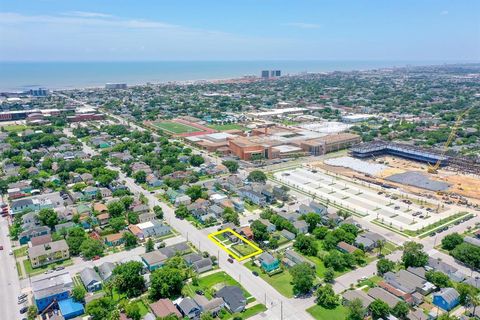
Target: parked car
22	301
22	296
200	292
255	273
1	247
230	260
59	268
23	310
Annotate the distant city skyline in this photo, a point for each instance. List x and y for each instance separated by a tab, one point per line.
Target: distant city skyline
87	30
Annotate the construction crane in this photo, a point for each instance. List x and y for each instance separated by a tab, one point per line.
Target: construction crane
434	169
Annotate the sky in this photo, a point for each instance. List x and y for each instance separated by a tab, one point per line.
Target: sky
146	30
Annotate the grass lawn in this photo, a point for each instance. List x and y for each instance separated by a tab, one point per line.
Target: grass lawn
15	127
370	282
174	127
30	271
319	312
207	283
20	252
243	249
247	313
223	127
280	281
143	308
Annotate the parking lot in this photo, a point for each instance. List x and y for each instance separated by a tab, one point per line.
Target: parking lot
358	197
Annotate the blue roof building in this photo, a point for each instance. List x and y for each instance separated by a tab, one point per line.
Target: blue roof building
70	308
447	299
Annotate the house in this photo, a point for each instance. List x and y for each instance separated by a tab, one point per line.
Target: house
346	248
270	226
27	235
451	271
152	228
472	241
90	192
170	251
64	226
69	308
203	265
292	258
301	226
114	239
105	270
312	207
172	195
48	253
233	297
280	193
100	207
192	257
183	199
164	308
145	217
37	241
105	192
103	219
153	181
447	298
408	282
153	260
375	237
351	295
238	205
189	308
140	209
287	234
268	262
91	280
364	243
254	196
381	294
247	232
211	306
475	282
216	210
417	315
53	288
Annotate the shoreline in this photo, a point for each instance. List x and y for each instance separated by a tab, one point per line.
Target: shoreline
23	71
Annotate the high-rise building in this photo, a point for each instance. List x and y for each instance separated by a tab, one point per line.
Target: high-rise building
116	86
265	74
40	92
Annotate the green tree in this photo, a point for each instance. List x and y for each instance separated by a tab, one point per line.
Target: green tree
149	246
401	310
273	242
158	212
306	245
413	255
100	309
259	231
356	311
257	176
230	215
194	192
75	238
312	219
140	176
32	312
91	248
379	309
196	160
206	316
466	292
48	217
384	265
129	239
129	279
451	241
329	275
78	293
231	165
133	311
166	282
438	278
182	211
320	232
302	278
326	297
116	208
118	223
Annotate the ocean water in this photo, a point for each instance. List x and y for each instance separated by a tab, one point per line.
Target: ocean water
18	76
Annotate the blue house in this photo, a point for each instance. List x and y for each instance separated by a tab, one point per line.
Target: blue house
26	235
268	262
70	308
447	299
53	289
153	260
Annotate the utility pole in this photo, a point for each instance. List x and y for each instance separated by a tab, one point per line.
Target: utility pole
281	310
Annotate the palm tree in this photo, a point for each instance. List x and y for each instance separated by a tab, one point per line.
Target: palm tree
380	245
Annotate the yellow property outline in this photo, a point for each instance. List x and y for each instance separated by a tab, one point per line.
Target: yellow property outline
212	235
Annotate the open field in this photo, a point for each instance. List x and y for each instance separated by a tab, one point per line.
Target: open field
227	241
174	127
15	127
224	127
321	313
361	199
280	281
